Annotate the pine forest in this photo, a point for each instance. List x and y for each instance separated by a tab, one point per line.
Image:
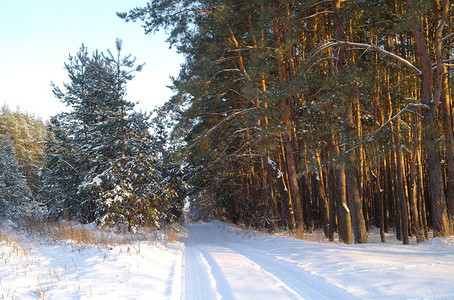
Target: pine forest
333	115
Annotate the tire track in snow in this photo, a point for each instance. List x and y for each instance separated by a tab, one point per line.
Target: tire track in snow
215	269
231	276
304	283
287	291
197	280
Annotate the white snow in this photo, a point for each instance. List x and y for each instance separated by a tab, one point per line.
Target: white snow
221	261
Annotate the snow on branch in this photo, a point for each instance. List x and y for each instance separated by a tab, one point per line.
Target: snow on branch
368	47
67	163
317	14
274	166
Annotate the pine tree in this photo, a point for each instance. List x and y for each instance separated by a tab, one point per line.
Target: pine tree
27	134
101	164
15	196
167	148
63	168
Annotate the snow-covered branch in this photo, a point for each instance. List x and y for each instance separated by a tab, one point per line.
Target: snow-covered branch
368	47
317	14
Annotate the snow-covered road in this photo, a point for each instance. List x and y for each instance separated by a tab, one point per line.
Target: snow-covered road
222	261
218	268
217	260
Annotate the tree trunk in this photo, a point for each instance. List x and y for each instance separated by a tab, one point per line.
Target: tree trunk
438	202
293	181
402	199
344	218
437	195
332	202
289	203
449	148
381	207
414	192
324	203
351	181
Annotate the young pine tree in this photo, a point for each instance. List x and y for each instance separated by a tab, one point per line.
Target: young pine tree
101	163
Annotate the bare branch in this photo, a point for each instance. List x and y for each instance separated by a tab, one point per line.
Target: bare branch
222	71
253	48
317	14
224	59
245	155
242	95
241	111
321	2
321	60
447	37
246	129
444	62
71	166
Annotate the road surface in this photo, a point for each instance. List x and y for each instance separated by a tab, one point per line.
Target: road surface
218	265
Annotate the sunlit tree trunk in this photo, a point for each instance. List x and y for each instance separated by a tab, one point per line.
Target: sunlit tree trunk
351	182
324	203
402	197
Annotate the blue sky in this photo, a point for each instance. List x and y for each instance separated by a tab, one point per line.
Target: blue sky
38	36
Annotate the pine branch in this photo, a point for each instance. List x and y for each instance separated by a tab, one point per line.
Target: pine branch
370	137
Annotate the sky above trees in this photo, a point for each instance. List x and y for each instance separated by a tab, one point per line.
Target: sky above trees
38	36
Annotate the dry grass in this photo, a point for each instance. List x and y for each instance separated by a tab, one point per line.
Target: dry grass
75	234
10	243
17	240
71	232
315	236
172	234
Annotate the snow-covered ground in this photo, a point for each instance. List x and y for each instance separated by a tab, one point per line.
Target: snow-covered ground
220	261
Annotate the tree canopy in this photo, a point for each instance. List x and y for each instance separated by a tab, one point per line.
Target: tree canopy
315	113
